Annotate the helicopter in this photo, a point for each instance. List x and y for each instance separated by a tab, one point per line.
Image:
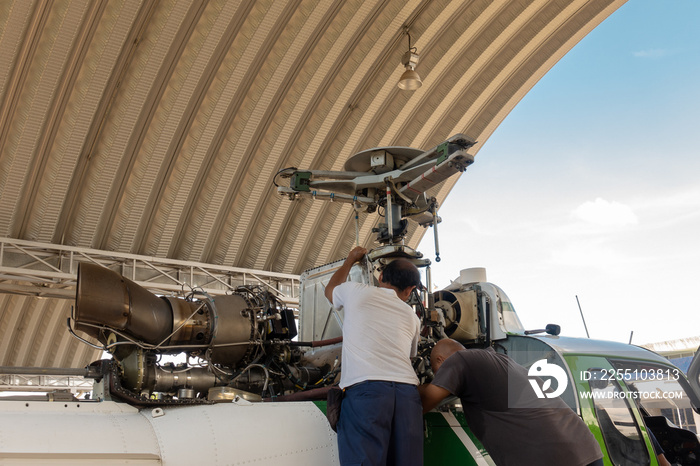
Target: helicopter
253	382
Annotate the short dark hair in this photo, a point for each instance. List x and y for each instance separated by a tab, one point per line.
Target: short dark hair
401	274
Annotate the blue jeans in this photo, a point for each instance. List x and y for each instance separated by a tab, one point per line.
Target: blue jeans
381	423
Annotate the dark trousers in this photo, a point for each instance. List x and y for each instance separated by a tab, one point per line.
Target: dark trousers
381	423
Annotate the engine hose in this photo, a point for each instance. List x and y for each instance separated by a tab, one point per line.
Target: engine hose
316	344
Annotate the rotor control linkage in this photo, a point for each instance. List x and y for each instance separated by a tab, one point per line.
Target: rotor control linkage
435	233
396	178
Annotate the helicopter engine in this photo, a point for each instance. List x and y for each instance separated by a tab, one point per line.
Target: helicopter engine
241	342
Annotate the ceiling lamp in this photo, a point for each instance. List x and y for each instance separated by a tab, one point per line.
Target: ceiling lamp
410	81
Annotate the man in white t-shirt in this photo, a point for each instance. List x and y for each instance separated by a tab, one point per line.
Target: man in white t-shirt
381	421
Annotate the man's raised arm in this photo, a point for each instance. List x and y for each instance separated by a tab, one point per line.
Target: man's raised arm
342	273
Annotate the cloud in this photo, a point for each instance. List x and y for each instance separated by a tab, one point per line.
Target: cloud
652	53
603	213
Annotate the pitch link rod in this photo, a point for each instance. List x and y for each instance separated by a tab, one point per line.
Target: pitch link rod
435	234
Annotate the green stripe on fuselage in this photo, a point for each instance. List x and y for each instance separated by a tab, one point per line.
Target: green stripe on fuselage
321	405
442	446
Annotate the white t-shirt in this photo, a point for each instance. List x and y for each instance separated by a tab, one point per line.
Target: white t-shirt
380	335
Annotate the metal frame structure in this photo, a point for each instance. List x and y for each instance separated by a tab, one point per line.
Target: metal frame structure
49	270
76	385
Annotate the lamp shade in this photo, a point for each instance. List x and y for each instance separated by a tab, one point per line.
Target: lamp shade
410	81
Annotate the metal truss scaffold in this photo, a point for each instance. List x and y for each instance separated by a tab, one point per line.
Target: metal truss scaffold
50	270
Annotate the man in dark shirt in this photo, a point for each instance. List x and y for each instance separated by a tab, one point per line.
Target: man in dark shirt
502	410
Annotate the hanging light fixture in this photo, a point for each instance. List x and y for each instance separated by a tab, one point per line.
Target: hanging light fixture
410	81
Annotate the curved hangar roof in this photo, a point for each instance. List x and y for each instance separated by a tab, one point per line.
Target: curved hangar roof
152	129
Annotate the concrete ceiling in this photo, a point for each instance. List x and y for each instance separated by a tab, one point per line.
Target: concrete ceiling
155	128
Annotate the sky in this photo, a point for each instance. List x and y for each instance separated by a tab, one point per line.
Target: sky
590	187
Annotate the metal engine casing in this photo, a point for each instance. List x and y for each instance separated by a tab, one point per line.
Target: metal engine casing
461	313
107	302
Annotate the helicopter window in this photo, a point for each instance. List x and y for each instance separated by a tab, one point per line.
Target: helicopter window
510	318
659	391
666	402
621	434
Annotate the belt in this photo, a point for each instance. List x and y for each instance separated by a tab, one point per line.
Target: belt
381	381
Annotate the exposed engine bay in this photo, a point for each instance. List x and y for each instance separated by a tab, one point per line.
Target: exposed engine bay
240	341
246	344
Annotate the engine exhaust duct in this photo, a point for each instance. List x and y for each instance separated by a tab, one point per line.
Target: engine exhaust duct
106	300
